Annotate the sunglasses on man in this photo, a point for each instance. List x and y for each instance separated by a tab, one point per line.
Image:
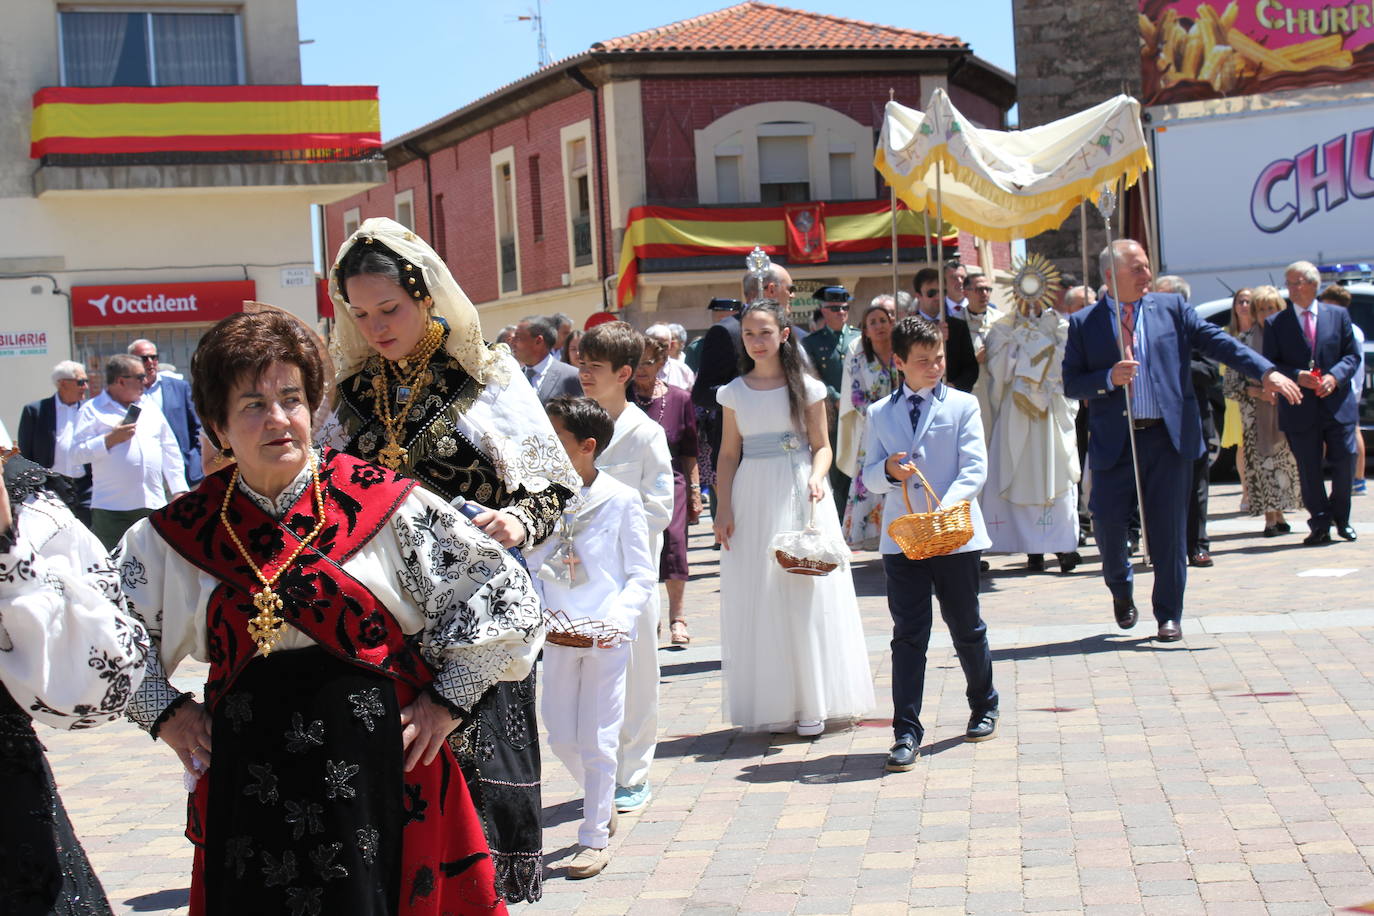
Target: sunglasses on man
835	308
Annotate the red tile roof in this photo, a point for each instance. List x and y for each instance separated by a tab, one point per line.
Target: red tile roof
755	26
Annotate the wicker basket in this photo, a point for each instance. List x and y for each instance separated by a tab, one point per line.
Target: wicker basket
808	552
934	532
583	633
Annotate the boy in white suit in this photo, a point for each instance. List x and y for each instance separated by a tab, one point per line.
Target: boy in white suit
596	566
638	457
928	425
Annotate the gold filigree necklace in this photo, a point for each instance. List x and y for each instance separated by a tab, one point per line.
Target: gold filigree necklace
266	628
393	453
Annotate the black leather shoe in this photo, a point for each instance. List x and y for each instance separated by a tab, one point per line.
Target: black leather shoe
1169	632
1284	527
1124	609
1347	532
982	726
1068	562
1035	562
903	755
1317	538
1200	558
1271	531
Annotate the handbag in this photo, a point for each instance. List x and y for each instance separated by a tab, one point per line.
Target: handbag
934	532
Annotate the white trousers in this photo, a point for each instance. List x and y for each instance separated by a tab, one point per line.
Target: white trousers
639	734
584	702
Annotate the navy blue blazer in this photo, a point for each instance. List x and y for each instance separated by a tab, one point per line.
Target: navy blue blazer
1337	354
1174	330
38	431
181	416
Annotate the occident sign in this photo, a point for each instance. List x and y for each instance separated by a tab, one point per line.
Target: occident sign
1289	189
158	303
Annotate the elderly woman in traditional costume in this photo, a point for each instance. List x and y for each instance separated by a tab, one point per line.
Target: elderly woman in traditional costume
350	620
69	658
421	393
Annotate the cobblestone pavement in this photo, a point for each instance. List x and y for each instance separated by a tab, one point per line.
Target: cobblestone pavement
1229	773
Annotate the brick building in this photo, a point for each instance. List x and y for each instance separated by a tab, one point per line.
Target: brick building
723	118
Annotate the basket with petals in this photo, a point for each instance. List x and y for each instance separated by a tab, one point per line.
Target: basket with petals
581	633
809	551
936	531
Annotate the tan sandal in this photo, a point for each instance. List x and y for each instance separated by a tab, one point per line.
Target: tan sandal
680	636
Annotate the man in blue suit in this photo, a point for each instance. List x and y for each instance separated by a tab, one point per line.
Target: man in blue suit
1314	345
173	398
929	425
45	437
1157	333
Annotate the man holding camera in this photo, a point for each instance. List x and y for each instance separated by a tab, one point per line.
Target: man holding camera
134	457
828	348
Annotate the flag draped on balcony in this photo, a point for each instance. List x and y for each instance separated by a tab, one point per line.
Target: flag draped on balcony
316	122
688	232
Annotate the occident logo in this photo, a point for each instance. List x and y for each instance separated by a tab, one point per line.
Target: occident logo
145	305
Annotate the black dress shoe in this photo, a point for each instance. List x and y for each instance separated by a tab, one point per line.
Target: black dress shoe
1200	558
981	726
1284	527
1347	532
1035	562
1317	538
903	755
1169	632
1124	608
1271	531
1068	561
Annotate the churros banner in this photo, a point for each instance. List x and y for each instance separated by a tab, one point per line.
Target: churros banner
1191	50
692	232
1004	185
322	122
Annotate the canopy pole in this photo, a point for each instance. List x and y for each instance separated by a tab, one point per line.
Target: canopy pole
892	206
1151	243
926	216
1129	389
940	237
1083	244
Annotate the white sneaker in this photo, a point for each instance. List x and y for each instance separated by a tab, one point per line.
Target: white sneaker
587	863
810	728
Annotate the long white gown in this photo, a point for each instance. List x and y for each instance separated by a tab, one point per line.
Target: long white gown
792	646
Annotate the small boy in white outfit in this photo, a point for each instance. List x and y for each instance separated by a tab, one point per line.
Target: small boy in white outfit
598	566
638	457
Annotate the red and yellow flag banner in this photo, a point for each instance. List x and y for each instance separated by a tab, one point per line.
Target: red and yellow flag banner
689	232
324	122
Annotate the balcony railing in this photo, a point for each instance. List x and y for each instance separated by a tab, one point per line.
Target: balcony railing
582	239
180	125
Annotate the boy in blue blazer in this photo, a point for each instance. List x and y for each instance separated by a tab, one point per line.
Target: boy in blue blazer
929	425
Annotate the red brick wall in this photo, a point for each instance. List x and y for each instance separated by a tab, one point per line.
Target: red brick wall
463	175
674	109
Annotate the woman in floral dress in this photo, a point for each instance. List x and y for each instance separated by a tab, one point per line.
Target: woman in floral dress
869	376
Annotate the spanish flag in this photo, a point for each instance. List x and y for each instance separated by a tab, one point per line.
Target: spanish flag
325	122
683	232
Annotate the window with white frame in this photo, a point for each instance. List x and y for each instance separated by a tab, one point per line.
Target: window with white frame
784	152
503	200
171	48
352	218
580	199
405	208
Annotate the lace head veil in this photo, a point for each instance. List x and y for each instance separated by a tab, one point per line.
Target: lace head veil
448	301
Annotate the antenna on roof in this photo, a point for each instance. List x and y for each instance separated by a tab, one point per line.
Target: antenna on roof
536	20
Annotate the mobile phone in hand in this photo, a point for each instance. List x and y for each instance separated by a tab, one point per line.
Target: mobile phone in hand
131	415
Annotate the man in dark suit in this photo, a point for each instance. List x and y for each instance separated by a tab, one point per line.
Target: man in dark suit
533	343
961	365
173	397
1157	334
45	437
1314	344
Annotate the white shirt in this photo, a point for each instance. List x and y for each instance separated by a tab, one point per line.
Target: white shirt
62	462
133	474
154	392
610	538
638	457
5	440
956	309
539	369
678	374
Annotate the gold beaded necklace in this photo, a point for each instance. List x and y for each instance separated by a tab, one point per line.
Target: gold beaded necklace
393	453
266	628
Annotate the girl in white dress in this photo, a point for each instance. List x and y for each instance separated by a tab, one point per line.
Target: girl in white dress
793	646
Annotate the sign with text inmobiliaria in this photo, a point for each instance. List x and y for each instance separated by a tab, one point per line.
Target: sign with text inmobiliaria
1191	50
1241	193
158	303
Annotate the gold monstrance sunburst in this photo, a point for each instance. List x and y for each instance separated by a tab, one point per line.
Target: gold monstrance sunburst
1034	281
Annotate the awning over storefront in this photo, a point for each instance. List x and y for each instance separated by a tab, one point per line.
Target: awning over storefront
320	122
801	233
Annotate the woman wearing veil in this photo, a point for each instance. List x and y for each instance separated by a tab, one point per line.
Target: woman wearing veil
419	392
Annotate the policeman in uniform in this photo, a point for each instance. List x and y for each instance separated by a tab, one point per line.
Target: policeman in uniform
828	349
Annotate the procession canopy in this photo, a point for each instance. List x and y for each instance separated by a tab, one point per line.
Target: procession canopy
1004	185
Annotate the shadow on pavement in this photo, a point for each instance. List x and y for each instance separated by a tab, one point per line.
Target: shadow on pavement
1089	646
726	744
562	813
939	747
158	901
685	668
836	768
